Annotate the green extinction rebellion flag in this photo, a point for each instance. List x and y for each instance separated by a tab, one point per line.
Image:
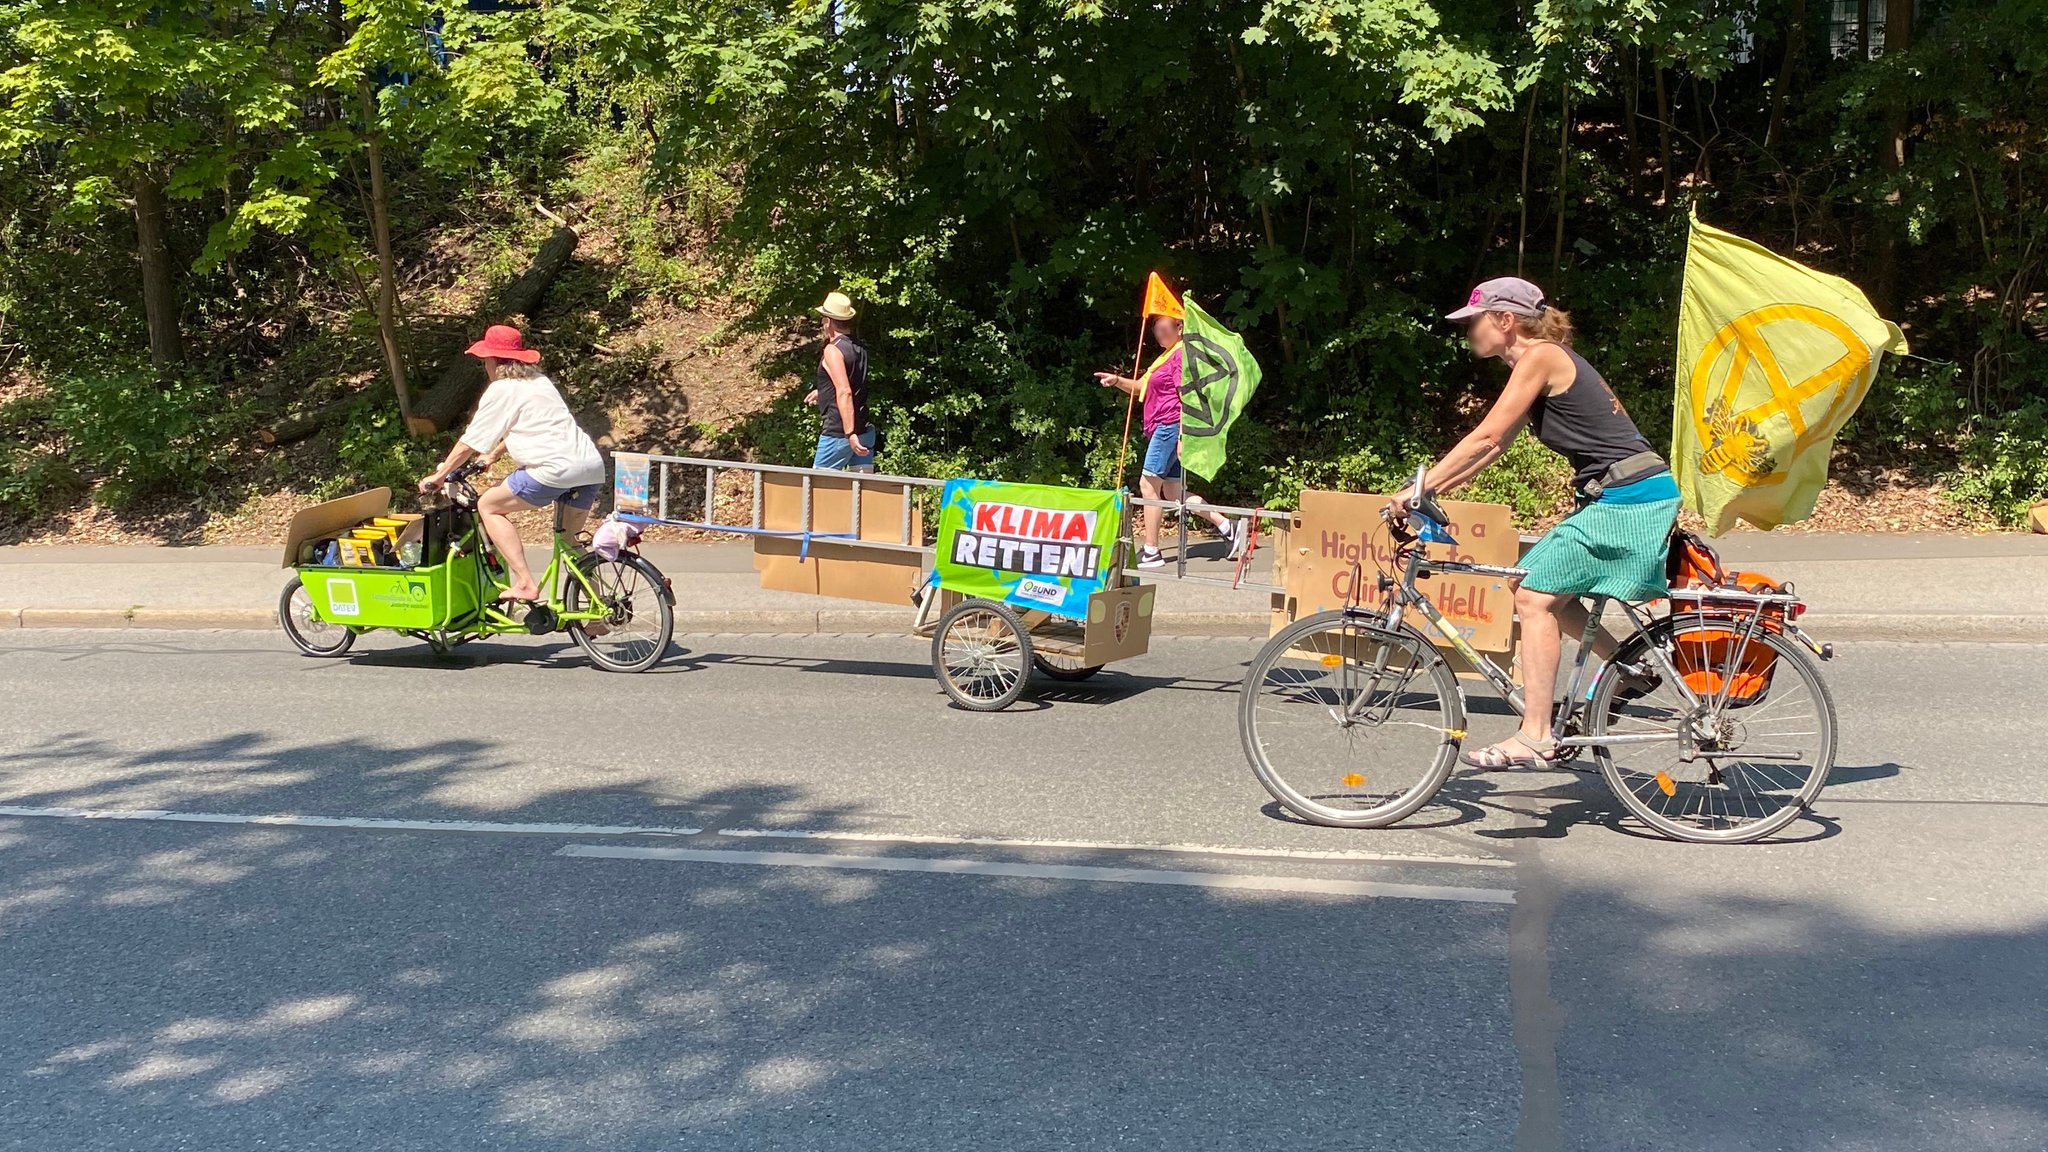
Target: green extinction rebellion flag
1032	546
1217	379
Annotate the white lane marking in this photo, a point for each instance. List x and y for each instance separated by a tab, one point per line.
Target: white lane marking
1113	846
289	821
959	867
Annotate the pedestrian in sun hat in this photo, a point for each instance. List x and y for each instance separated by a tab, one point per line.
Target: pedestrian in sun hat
1613	544
522	413
846	437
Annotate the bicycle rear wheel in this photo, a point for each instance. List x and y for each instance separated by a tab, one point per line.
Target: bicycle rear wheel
1349	724
635	633
1737	765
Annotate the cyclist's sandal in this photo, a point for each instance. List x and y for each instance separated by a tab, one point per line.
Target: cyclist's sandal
1497	757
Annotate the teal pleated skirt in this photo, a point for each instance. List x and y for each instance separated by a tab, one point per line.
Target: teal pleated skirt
1614	547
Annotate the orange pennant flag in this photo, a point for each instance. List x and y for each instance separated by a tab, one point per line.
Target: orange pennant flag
1159	299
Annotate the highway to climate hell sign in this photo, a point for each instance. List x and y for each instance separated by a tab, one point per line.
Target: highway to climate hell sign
1336	530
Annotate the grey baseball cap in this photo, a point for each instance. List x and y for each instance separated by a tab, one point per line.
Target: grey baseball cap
1502	294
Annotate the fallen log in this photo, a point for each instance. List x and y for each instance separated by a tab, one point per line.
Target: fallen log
306	423
448	401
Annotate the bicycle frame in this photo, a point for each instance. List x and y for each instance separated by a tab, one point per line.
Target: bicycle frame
492	617
1402	595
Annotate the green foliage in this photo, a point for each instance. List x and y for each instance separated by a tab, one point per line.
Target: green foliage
992	181
141	436
2005	466
1529	478
373	451
36	481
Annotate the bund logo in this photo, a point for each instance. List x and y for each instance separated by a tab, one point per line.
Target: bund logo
1787	346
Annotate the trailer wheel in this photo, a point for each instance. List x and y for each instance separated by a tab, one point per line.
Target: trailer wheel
1066	670
981	654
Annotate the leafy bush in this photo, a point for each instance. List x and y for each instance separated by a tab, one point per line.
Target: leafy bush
139	435
373	451
1529	478
2005	467
35	481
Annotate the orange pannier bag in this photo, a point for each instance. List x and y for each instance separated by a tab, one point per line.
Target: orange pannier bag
1706	657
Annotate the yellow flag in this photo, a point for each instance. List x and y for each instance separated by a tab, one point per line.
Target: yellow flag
1773	358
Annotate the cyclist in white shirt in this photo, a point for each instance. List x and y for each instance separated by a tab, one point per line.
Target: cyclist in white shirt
523	414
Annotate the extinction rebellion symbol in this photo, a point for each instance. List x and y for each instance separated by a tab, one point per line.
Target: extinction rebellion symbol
1202	412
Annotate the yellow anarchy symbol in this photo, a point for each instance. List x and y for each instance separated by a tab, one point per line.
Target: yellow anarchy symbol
1732	439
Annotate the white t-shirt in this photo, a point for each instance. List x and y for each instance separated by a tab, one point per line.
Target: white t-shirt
534	422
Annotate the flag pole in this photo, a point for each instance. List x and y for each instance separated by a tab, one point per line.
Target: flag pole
1123	452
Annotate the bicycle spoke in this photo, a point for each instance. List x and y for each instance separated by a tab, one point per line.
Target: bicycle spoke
1347	724
1743	761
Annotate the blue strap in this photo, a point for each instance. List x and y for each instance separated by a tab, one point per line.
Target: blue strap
780	533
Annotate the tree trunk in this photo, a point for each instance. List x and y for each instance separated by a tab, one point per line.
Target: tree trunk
1863	31
387	274
1664	135
1265	214
1630	98
1528	145
448	401
1795	41
159	295
1564	154
1898	38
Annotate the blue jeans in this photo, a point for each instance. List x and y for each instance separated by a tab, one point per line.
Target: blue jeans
835	452
1162	455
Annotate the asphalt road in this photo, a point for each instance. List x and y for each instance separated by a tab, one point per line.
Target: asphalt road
776	895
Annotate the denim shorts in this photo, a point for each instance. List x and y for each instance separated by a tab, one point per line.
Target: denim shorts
1162	458
540	495
835	452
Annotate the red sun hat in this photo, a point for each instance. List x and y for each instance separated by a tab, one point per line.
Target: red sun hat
503	342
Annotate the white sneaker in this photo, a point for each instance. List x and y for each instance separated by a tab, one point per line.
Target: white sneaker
1240	537
1150	558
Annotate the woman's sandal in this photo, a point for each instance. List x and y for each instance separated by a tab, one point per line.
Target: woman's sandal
1497	757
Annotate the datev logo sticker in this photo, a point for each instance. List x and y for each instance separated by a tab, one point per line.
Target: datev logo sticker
341	598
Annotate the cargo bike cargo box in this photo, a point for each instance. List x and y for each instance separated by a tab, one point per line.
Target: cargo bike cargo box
436	594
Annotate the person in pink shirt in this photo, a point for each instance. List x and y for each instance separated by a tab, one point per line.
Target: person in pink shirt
1162	479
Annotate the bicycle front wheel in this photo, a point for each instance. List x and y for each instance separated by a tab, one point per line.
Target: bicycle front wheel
639	620
1349	724
1739	761
304	627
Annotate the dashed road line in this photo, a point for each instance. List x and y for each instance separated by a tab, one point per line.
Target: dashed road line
955	866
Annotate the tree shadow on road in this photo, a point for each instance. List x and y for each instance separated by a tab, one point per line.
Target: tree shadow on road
224	986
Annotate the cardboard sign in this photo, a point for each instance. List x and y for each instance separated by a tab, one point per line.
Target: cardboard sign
1338	537
1035	547
887	513
333	518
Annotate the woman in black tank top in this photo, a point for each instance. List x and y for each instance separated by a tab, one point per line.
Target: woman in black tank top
846	437
1613	544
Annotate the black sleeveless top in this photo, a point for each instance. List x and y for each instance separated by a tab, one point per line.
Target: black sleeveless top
856	382
1585	424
